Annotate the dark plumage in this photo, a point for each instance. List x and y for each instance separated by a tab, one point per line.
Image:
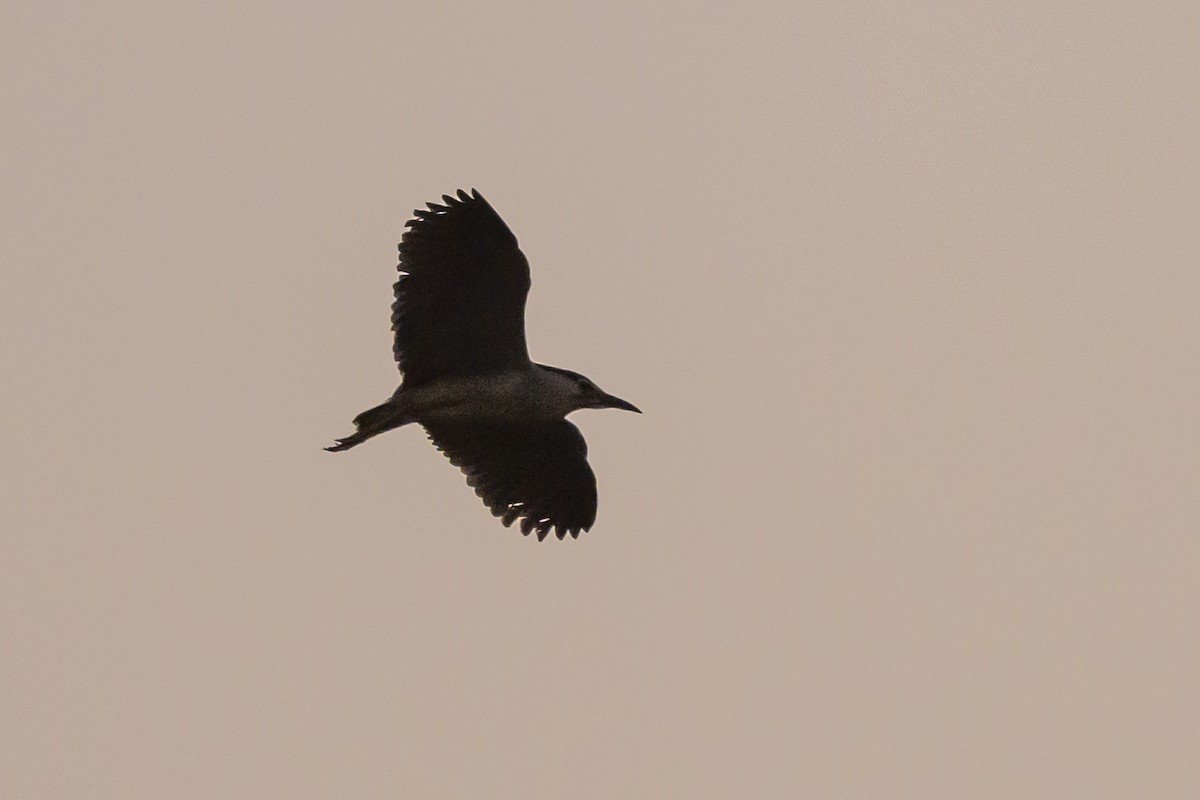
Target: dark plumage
459	323
460	299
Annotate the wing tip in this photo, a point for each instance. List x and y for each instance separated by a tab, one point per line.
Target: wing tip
541	527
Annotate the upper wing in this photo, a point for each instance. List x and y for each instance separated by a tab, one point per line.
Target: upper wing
537	473
460	299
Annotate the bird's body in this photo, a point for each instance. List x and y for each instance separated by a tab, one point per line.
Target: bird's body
459	323
532	394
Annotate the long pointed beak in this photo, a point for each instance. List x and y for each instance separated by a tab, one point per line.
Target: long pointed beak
609	401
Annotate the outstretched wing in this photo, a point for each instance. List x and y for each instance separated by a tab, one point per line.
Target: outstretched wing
537	473
460	299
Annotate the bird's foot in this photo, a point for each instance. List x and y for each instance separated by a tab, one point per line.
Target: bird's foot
345	444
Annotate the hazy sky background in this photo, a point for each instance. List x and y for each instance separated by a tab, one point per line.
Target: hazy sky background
908	294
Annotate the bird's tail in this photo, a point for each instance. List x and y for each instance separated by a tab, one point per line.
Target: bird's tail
372	422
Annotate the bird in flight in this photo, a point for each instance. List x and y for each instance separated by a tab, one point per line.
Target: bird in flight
459	324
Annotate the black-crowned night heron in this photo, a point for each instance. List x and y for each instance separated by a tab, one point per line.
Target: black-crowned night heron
459	320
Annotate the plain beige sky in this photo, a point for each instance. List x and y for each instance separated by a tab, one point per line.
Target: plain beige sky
909	297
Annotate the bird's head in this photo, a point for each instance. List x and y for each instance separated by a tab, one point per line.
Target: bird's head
582	393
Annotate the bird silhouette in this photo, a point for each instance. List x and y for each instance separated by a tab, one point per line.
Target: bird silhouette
459	324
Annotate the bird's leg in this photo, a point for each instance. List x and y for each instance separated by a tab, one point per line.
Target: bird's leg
348	442
373	422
